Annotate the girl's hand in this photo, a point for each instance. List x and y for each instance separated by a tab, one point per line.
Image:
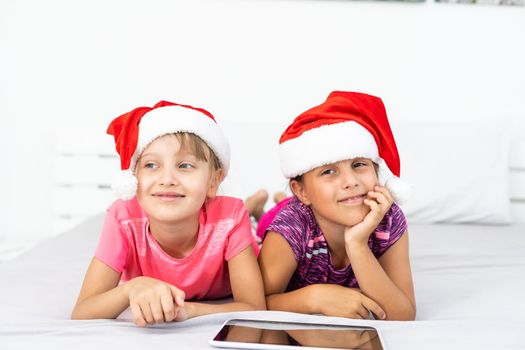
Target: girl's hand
335	300
153	301
185	312
379	202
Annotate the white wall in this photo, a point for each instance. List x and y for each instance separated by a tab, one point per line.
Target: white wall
75	65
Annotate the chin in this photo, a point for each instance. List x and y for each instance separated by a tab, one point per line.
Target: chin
165	218
163	213
351	222
355	217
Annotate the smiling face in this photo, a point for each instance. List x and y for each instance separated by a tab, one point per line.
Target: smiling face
173	182
336	192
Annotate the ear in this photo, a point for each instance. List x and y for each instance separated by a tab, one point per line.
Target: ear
298	189
216	179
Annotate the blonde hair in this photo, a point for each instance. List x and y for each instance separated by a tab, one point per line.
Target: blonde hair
195	145
199	148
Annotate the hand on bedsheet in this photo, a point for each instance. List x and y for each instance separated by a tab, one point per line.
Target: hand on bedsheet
335	300
153	301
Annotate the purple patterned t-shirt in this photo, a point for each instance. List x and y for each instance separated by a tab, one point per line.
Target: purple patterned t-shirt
297	224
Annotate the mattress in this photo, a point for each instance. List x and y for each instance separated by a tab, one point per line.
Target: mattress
469	283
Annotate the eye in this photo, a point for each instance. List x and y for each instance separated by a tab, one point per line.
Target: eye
359	163
327	171
186	166
151	165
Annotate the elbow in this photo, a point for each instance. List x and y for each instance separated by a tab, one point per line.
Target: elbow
79	314
256	305
270	302
260	307
75	315
406	314
411	312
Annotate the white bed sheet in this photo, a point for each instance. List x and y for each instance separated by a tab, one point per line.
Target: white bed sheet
469	284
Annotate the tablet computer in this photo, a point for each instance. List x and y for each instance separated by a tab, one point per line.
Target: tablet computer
256	334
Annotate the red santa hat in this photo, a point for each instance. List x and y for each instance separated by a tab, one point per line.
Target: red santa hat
347	125
135	130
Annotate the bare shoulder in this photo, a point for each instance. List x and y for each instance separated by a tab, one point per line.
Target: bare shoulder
277	263
275	245
397	250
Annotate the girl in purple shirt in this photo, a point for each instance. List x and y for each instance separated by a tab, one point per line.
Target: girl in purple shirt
339	246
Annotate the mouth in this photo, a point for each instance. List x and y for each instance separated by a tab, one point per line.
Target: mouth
353	199
168	196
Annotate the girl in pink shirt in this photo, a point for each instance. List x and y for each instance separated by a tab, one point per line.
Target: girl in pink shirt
169	238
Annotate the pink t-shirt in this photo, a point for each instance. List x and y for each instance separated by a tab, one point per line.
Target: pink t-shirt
127	246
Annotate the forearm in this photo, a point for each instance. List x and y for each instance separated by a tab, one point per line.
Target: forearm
199	309
107	305
298	300
376	284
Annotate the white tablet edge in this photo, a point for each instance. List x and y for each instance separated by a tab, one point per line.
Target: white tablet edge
256	346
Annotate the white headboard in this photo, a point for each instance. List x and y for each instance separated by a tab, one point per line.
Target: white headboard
517	178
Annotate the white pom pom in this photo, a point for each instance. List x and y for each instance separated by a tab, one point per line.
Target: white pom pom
399	189
125	185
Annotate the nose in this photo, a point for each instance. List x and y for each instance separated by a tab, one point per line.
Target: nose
168	177
348	177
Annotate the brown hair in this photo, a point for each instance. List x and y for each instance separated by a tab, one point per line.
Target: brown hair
299	178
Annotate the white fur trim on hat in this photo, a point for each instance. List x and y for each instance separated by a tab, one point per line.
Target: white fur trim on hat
400	190
124	185
333	143
325	145
172	119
